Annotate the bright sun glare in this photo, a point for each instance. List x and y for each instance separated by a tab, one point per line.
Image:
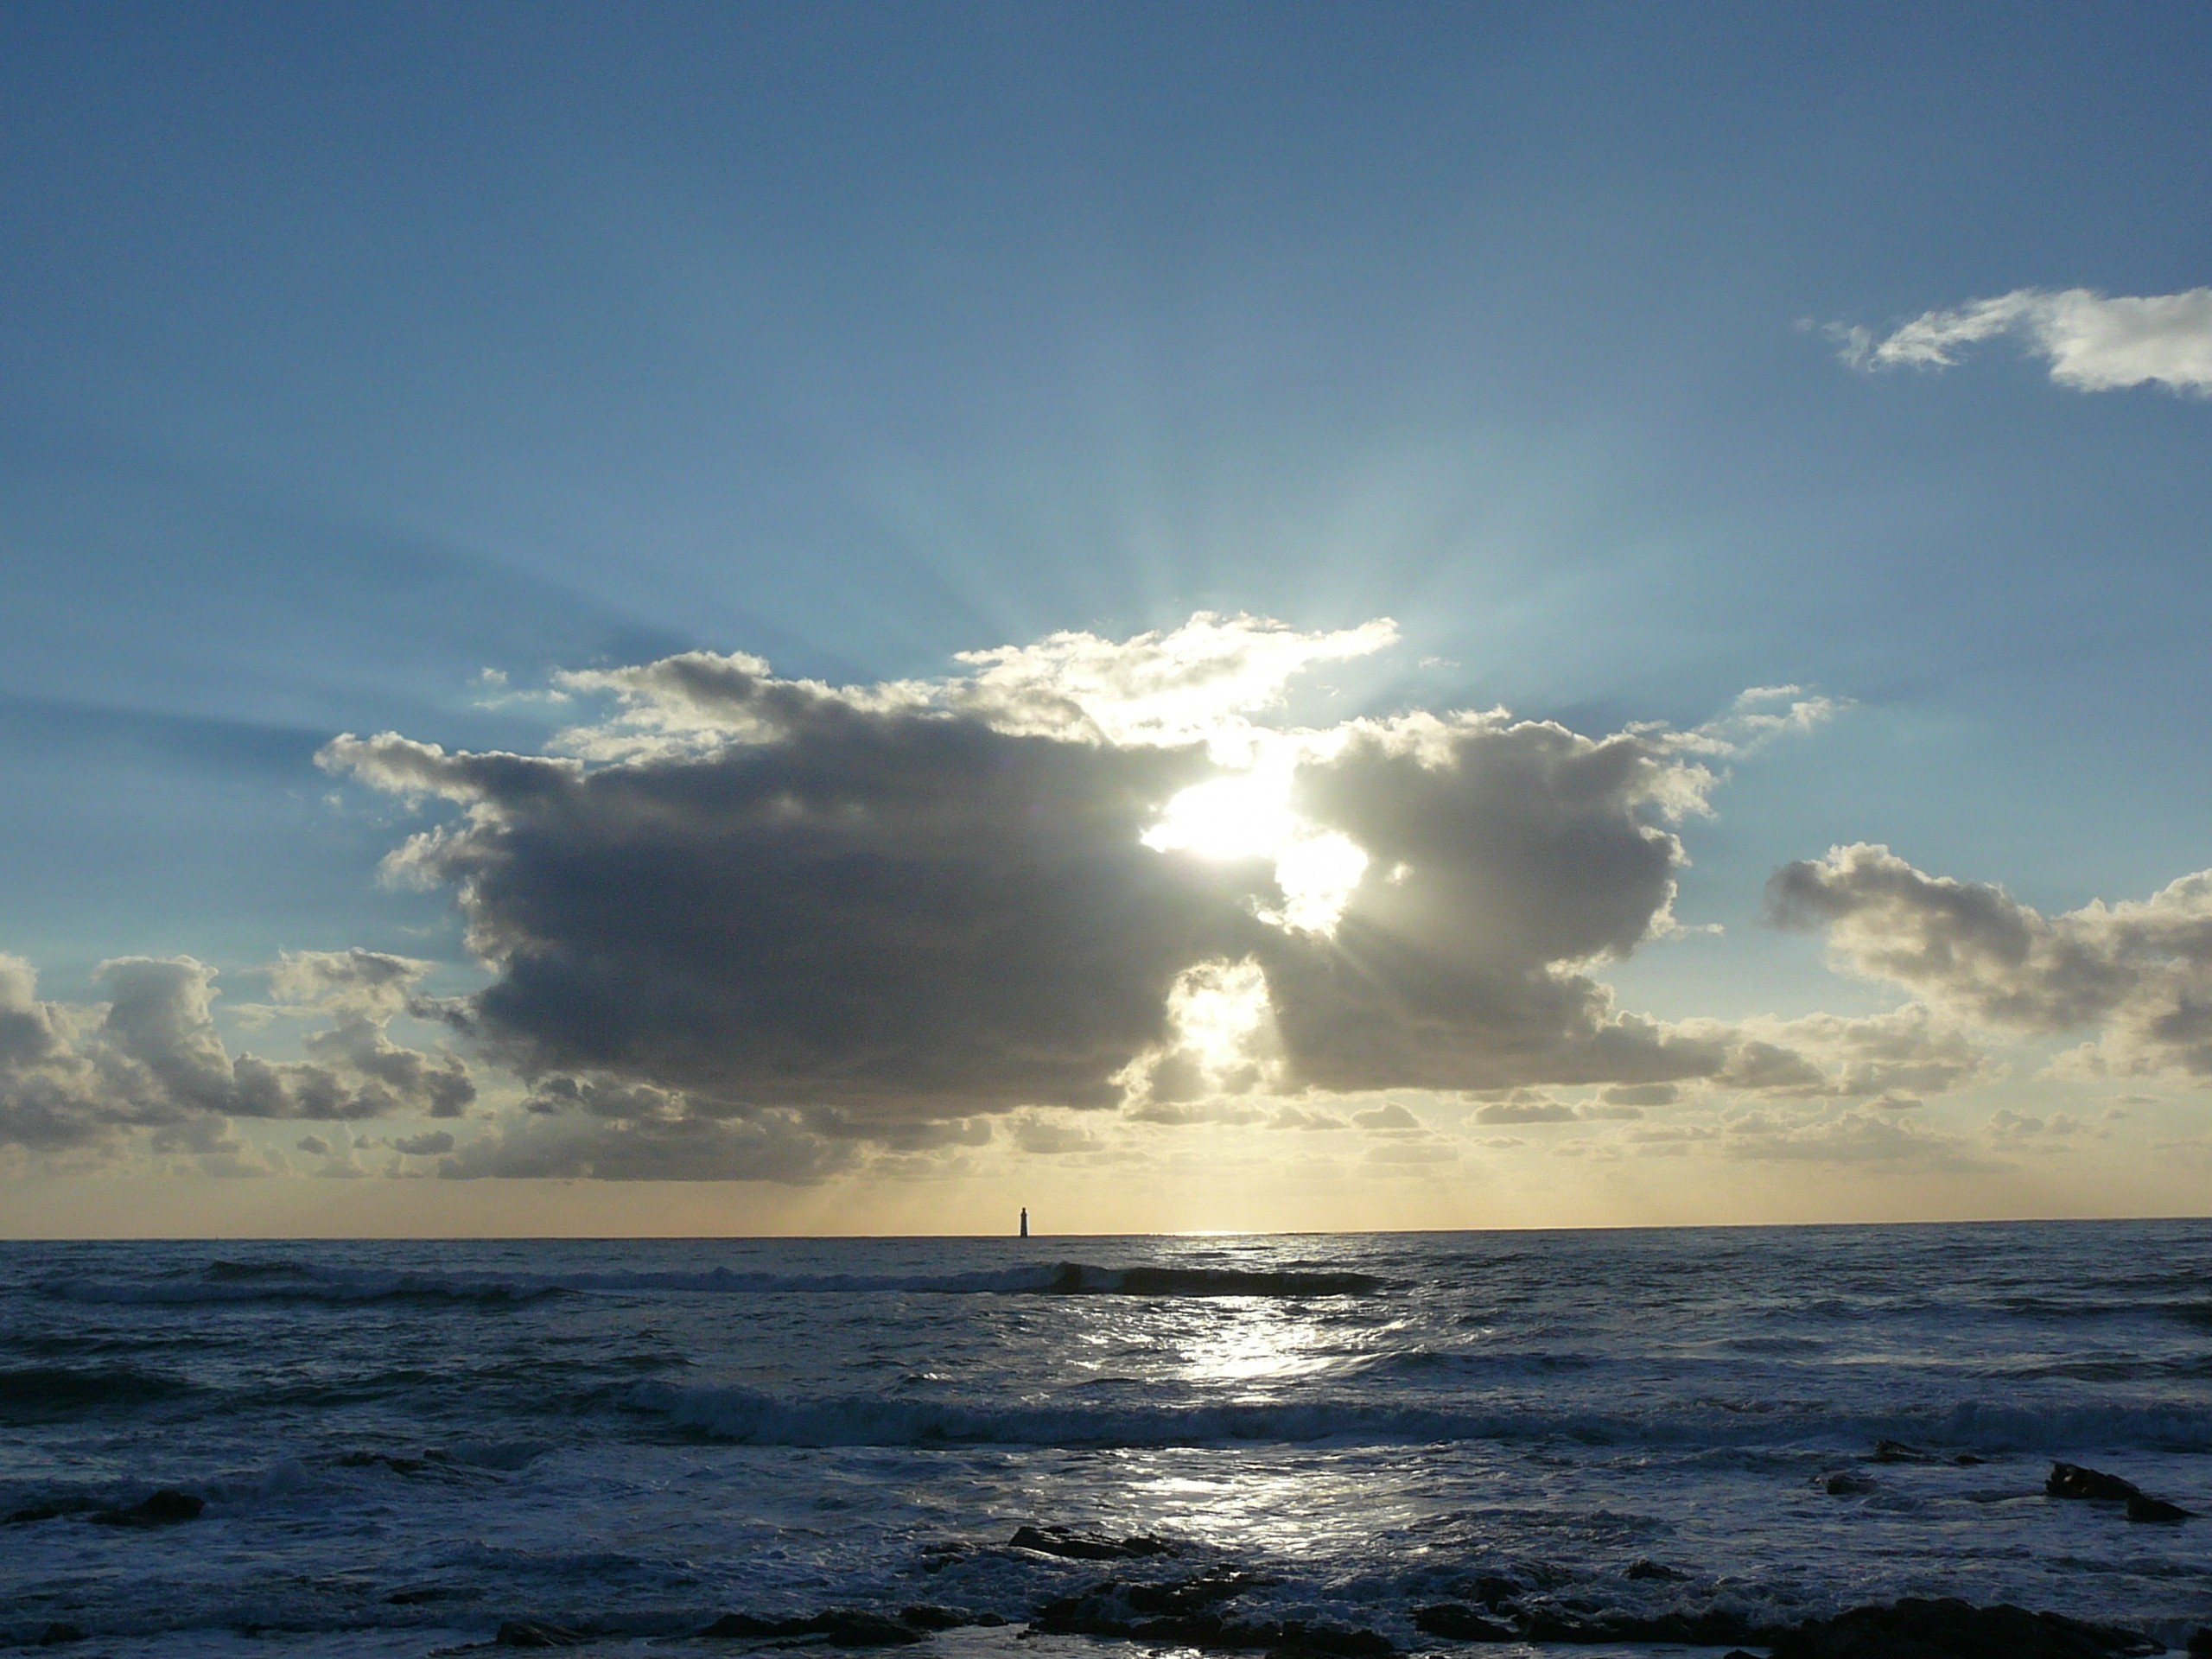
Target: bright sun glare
1248	815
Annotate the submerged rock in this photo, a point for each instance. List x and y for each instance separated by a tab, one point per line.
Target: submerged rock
1087	1547
531	1633
1847	1486
164	1508
1457	1624
1112	1609
59	1633
1948	1628
2072	1480
2144	1507
1651	1569
849	1627
1711	1629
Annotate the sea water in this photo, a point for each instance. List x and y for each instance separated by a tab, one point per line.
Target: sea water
402	1445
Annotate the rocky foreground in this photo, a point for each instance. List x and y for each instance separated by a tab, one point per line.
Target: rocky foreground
1199	1611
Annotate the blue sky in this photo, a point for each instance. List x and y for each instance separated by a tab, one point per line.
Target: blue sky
346	354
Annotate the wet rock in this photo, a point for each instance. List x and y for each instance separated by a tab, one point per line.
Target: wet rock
1087	1547
1494	1593
1900	1451
1949	1629
531	1633
1651	1569
923	1616
1210	1589
31	1512
59	1633
1847	1486
1111	1610
1455	1622
1710	1628
2072	1480
2142	1507
849	1627
2199	1645
164	1508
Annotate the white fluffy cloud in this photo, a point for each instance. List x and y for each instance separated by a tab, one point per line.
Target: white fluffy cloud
2138	974
2093	342
79	1079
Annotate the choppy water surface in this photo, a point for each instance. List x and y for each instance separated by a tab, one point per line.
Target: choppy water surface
402	1445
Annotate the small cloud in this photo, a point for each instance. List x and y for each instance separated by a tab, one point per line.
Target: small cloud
314	1146
1642	1094
2093	342
433	1144
1388	1118
1297	1117
1537	1110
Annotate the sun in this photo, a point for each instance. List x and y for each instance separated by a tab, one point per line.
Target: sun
1248	815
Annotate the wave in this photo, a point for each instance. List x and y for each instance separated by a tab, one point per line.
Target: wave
225	1281
751	1418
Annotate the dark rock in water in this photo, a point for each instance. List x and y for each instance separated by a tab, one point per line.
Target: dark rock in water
530	1633
1847	1486
1494	1593
1710	1628
1651	1569
1210	1589
2142	1507
734	1625
1949	1629
1112	1609
164	1508
2201	1644
1087	1547
852	1628
847	1627
2072	1480
1899	1452
58	1633
1967	1460
1457	1624
31	1512
924	1617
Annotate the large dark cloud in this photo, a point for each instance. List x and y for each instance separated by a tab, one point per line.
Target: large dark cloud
890	906
1504	857
886	912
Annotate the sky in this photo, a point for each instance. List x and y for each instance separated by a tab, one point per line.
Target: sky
818	618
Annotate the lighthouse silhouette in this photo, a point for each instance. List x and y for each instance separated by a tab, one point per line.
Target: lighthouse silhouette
1024	1221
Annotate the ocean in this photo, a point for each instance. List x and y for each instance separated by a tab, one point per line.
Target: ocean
402	1446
